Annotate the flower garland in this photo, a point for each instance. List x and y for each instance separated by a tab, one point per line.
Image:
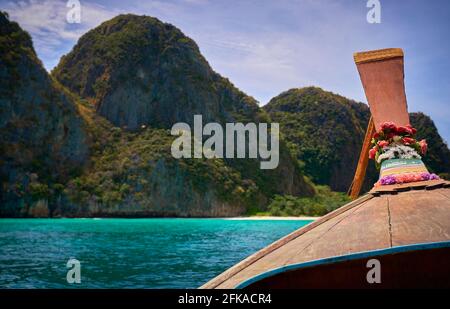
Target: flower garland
397	151
405	178
398	142
392	142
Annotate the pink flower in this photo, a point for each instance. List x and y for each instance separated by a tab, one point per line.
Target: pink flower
405	130
390	135
382	144
372	153
434	177
410	177
389	126
408	140
417	177
413	130
423	146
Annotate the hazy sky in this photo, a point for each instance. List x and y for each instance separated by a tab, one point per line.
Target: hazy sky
268	46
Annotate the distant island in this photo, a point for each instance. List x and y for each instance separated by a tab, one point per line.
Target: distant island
92	139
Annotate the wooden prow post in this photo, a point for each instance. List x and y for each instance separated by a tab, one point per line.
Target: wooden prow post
382	76
360	173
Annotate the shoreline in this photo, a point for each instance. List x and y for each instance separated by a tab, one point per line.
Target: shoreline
221	218
272	218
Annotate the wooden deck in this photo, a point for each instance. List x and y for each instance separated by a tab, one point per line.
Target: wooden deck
391	216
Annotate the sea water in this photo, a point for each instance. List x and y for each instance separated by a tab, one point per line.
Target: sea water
129	253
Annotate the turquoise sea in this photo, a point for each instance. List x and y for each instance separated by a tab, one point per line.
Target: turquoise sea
129	253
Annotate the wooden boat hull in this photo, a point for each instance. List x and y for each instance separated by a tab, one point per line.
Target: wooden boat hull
387	223
413	266
405	228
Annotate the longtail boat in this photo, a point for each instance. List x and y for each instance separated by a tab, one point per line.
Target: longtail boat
395	236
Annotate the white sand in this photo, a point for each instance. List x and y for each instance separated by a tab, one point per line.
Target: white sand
272	218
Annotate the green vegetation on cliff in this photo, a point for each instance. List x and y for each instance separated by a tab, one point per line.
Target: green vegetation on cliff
153	76
93	139
133	174
42	137
323	202
437	158
131	79
326	130
139	71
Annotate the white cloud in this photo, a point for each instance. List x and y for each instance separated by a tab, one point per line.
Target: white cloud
311	49
266	47
46	21
48	17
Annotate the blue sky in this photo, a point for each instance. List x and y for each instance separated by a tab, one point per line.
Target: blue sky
265	46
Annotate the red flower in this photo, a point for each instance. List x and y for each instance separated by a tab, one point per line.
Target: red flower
413	130
405	130
390	135
382	144
376	135
408	140
389	126
372	153
423	146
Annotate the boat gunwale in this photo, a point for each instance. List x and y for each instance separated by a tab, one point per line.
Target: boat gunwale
393	190
342	258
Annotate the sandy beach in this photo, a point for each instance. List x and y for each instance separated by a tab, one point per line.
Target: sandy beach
272	218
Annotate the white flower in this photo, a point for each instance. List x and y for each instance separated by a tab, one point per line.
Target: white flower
398	151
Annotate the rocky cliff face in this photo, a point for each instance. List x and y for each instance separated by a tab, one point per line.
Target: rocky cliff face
140	71
93	140
437	159
132	174
326	131
132	71
42	137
